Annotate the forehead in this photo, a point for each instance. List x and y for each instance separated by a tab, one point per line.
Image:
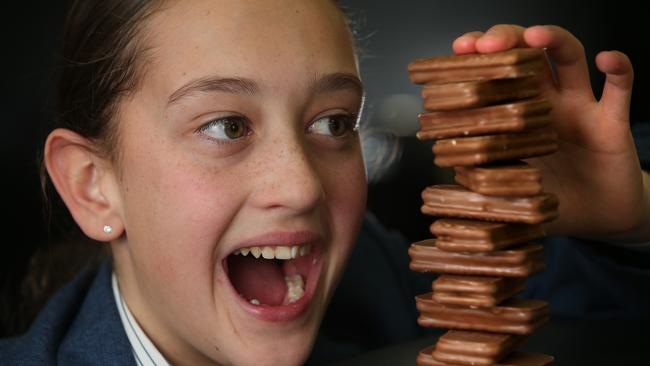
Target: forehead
274	42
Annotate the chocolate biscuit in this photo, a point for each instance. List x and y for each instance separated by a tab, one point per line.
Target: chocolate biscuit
513	63
519	262
506	179
515	316
474	94
459	235
457	201
487	149
486	113
505	118
425	358
460	347
475	291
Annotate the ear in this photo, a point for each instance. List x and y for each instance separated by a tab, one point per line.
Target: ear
86	183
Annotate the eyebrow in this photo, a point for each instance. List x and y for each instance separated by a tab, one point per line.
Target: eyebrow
328	83
215	84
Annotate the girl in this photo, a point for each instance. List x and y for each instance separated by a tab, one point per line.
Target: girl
214	146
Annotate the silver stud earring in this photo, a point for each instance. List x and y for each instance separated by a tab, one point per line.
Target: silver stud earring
108	229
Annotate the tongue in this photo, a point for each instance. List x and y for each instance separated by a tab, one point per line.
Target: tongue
261	279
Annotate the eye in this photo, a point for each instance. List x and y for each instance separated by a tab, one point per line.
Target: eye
334	125
226	128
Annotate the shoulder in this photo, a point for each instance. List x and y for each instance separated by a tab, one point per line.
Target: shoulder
38	345
79	325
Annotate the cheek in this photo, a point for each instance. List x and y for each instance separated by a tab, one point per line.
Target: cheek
352	187
176	213
346	189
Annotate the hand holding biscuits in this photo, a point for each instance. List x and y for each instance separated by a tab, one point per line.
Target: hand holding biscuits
596	171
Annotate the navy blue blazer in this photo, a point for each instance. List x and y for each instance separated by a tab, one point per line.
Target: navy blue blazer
79	326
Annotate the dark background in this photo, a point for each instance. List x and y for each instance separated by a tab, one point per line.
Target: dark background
391	33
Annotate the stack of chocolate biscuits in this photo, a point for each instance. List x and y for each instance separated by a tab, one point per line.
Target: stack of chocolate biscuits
486	114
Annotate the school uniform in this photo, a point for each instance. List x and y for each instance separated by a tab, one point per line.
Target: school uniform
80	325
85	323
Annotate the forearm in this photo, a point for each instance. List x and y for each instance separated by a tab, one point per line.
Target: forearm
620	221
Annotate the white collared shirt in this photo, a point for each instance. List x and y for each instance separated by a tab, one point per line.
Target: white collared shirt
144	351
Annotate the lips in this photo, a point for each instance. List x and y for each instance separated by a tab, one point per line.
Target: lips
273	277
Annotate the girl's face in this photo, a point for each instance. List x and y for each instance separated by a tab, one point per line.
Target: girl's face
240	139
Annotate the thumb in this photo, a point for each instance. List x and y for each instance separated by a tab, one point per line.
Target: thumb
617	92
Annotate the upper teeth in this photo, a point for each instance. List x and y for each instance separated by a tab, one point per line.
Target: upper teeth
275	252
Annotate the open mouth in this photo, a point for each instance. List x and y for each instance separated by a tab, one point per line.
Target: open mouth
274	282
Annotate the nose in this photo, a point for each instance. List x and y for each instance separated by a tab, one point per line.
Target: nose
289	177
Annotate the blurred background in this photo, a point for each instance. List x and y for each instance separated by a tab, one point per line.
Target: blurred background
390	33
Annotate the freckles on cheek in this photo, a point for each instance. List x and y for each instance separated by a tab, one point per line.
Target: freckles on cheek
346	198
348	191
183	218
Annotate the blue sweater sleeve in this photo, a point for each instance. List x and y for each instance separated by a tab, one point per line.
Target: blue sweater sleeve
590	280
641	133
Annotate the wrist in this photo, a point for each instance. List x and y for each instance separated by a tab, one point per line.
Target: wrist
639	233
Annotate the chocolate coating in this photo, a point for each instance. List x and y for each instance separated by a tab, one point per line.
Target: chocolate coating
505	118
487	149
506	179
475	291
446	69
457	201
461	235
515	316
469	348
425	358
519	262
473	94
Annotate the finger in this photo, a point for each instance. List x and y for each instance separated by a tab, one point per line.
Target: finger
501	37
466	43
548	81
567	53
617	92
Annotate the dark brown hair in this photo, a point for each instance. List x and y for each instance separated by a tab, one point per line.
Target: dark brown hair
102	62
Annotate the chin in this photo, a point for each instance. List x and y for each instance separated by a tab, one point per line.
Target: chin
275	347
